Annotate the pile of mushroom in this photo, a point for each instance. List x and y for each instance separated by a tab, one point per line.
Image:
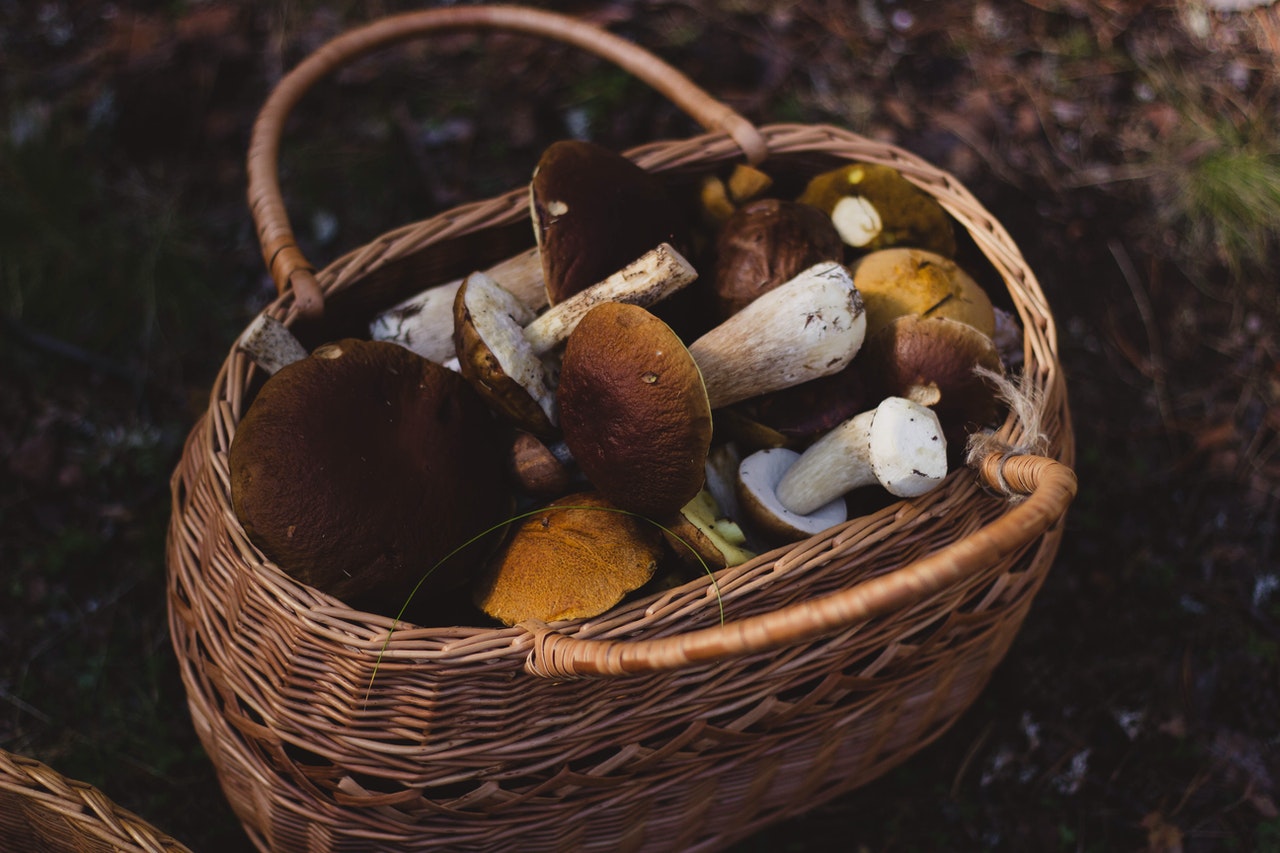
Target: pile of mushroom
673	379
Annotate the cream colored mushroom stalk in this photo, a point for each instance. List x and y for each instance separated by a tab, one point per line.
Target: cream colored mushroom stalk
811	326
899	444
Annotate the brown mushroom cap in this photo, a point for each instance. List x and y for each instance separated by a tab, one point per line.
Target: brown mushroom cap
894	282
931	361
889	211
594	211
766	243
360	467
633	410
573	560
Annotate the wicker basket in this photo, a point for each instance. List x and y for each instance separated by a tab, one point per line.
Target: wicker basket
42	810
657	725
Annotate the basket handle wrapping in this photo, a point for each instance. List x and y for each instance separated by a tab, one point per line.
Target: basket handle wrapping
280	251
1050	487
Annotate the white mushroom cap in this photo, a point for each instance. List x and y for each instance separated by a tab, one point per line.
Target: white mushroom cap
758	478
899	444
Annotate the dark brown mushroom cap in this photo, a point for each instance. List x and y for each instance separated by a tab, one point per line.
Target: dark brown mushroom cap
633	410
572	560
361	466
595	211
931	360
766	243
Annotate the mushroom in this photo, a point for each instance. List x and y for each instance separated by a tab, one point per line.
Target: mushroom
894	282
424	322
794	417
898	444
811	326
593	211
574	559
500	344
539	468
634	411
765	243
358	468
704	537
933	361
635	403
874	206
719	197
757	485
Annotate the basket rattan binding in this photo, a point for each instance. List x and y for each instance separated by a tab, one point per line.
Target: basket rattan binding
42	810
653	726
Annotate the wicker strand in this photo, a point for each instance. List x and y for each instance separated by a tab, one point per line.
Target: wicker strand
1026	403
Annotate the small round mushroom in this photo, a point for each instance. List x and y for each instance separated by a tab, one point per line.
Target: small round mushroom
719	197
933	361
766	243
899	444
360	467
573	560
593	212
894	282
757	493
874	207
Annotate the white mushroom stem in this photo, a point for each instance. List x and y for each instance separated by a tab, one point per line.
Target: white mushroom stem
899	444
811	326
424	323
270	344
649	279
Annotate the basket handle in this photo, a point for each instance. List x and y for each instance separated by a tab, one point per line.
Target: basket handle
1050	487
280	251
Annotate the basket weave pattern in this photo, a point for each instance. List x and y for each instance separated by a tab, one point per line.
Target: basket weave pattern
837	658
42	810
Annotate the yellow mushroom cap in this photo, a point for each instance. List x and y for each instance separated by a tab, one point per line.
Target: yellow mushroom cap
573	560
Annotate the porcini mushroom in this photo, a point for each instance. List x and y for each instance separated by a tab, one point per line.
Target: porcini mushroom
933	361
593	211
766	243
574	559
757	487
500	343
898	444
635	403
874	206
894	282
360	467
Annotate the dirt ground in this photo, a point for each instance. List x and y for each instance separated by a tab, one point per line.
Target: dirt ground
1129	147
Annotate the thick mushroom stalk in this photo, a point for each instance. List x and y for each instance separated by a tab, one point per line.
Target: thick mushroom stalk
811	326
424	323
899	444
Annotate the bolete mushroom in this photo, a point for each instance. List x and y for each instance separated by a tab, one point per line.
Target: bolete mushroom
574	559
703	536
898	444
635	403
757	484
358	468
933	361
501	344
593	211
766	243
894	282
874	206
719	197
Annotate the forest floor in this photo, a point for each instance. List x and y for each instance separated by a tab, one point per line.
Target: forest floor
1129	147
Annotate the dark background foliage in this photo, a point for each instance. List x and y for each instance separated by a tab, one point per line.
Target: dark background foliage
1129	147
